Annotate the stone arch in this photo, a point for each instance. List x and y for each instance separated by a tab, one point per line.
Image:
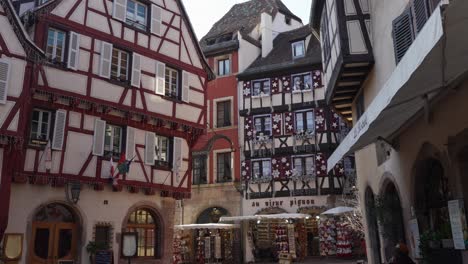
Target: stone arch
372	226
209	145
158	221
211	215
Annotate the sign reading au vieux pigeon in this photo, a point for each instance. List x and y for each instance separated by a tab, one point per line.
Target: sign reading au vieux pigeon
289	204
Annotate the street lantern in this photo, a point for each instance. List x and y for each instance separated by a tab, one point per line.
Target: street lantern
73	191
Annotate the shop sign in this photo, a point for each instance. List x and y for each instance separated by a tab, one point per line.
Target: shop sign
457	222
283	203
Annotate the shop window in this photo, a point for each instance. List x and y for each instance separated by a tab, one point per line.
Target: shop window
113	140
261	169
261	87
172	82
137	14
224	67
40	127
305	122
199	170
223	114
298	49
262	125
119	66
302	82
304	166
223	169
143	222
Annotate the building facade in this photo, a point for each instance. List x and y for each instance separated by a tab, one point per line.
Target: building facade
107	125
395	71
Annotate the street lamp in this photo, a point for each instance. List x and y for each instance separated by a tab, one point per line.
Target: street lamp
72	191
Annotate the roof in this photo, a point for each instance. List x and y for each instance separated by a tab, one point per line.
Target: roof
280	58
316	13
245	17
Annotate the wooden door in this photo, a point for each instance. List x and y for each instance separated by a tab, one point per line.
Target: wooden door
65	239
42	243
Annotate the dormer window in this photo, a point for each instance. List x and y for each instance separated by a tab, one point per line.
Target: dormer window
298	49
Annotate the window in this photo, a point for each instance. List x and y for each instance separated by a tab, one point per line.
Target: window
172	82
262	125
325	37
40	126
261	169
304	165
199	170
223	114
55	49
224	67
113	140
143	222
360	105
261	87
305	122
298	49
119	67
223	169
137	14
162	150
302	82
102	235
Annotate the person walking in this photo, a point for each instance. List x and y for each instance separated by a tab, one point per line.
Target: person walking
400	255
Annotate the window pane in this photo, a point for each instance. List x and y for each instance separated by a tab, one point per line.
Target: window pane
266	87
131	10
298	166
267	124
227	69
256	169
310	121
108	138
258	124
266	168
307	81
256	88
50	42
299	122
309	165
117	138
221	67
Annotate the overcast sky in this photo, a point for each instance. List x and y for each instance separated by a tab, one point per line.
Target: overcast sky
204	13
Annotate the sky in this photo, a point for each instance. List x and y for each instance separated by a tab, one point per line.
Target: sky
204	13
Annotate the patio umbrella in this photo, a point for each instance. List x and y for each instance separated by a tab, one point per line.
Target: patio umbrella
338	210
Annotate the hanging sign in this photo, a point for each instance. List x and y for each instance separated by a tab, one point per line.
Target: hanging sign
414	231
207	248
457	222
218	247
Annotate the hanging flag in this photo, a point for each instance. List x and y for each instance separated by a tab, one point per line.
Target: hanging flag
48	156
122	165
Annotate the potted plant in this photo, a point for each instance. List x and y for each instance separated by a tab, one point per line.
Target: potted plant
92	247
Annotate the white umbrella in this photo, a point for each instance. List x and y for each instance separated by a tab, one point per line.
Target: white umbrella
338	210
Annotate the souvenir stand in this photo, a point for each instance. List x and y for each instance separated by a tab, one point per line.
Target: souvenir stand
212	243
336	234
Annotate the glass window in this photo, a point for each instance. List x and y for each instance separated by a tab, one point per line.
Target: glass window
143	222
172	82
137	14
223	171
298	49
302	82
40	126
55	49
305	122
113	140
261	169
199	170
262	125
162	149
261	87
223	114
304	166
119	67
224	67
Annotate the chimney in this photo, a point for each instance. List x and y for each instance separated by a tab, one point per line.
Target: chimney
267	34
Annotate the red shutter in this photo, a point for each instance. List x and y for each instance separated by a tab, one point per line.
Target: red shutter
246	170
321	165
276	124
288	123
317	79
248	128
320	120
286	84
275	85
246	92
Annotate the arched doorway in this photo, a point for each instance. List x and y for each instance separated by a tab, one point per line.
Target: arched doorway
372	226
54	235
211	215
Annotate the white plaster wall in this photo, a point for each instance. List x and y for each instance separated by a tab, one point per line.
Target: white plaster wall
247	53
279	24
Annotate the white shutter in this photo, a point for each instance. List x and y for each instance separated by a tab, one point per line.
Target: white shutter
99	137
136	70
156	20
120	10
185	86
59	129
150	148
130	145
177	154
74	51
4	80
106	60
160	78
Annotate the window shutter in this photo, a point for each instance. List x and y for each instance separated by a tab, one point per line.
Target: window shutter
120	9
59	129
99	136
130	146
4	80
160	78
177	157
156	19
74	51
185	86
136	70
106	59
420	12
150	148
403	34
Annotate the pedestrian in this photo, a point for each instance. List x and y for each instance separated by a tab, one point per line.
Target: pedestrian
400	255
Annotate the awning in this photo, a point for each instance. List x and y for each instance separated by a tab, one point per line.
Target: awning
338	210
206	226
263	217
420	73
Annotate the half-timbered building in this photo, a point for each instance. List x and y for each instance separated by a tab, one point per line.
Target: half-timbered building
110	118
406	97
288	132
